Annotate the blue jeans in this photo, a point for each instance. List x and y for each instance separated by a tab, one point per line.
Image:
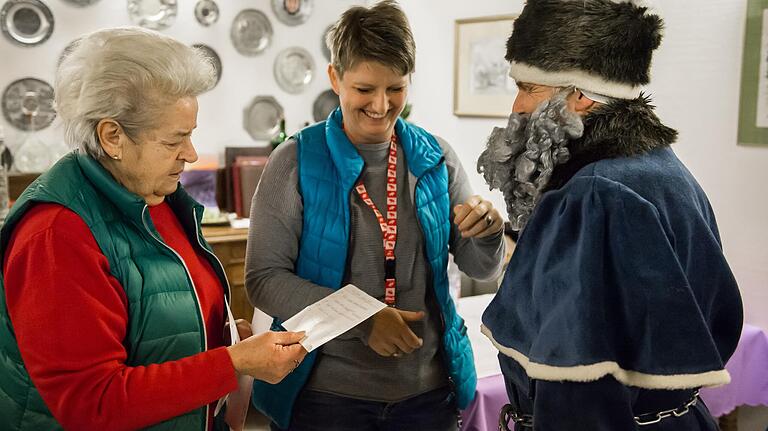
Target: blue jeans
435	410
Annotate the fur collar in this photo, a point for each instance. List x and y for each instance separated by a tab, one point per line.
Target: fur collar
622	128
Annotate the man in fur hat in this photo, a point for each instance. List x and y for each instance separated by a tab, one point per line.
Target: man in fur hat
618	303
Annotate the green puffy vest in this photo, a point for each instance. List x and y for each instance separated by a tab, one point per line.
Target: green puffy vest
164	317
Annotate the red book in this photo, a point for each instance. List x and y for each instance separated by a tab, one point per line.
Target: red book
249	169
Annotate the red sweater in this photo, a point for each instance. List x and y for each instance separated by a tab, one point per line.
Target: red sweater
70	318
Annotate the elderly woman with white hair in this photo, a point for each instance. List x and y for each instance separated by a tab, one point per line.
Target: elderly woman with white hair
112	305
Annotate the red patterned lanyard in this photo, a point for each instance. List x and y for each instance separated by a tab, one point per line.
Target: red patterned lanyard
389	225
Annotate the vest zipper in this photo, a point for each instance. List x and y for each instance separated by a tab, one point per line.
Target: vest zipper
194	291
441	349
228	297
221	267
426	254
350	197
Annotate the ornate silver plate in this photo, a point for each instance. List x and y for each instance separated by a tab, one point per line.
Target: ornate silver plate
324	44
28	104
26	22
81	3
153	14
325	103
251	32
292	12
212	56
206	12
294	69
261	119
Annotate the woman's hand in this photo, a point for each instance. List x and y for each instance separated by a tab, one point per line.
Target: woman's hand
477	218
390	334
269	356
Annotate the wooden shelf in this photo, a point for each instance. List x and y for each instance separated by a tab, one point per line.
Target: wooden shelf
17	182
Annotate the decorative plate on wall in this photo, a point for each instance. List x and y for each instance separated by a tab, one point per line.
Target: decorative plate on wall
251	32
325	103
26	22
28	104
206	12
294	69
211	55
324	45
153	14
261	119
81	3
292	12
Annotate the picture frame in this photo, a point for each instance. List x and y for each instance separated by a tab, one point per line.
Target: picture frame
753	102
481	83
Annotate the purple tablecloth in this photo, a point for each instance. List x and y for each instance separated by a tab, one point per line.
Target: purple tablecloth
483	413
749	385
749	375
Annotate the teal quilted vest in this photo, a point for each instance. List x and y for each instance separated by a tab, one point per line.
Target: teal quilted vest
156	282
329	166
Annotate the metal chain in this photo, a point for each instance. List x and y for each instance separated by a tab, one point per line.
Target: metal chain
654	418
507	415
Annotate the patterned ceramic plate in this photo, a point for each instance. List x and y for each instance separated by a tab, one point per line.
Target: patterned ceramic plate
292	12
325	103
206	12
294	69
251	32
28	104
153	14
261	119
26	22
81	3
211	55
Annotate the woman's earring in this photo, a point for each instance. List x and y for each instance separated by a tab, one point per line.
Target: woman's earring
116	157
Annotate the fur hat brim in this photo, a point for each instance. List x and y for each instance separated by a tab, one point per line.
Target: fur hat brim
603	46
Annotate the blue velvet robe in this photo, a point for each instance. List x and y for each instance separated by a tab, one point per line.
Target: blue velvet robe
618	300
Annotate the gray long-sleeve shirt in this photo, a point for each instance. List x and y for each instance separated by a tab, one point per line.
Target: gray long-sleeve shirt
346	366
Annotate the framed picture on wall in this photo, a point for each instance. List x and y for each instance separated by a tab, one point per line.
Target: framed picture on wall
753	109
481	83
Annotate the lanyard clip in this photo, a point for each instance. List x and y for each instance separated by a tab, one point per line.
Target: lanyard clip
389	269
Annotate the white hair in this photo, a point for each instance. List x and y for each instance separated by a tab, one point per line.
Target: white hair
128	74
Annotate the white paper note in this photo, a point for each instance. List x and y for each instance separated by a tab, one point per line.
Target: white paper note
333	315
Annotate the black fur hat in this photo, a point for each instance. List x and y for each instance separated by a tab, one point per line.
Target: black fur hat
601	46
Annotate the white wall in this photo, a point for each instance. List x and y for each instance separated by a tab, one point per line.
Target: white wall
220	120
696	77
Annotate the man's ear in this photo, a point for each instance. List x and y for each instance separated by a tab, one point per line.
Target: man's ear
581	104
109	133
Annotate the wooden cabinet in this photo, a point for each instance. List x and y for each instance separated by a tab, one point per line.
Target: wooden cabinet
229	246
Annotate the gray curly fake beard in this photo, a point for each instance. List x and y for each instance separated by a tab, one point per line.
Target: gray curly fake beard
519	159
